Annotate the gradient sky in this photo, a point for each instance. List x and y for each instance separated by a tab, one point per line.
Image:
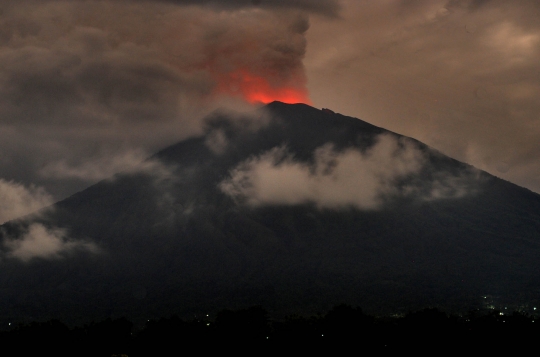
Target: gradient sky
90	88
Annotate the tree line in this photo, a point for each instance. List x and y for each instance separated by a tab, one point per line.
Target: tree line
252	331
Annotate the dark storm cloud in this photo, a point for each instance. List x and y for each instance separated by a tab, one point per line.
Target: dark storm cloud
462	76
82	70
328	7
325	7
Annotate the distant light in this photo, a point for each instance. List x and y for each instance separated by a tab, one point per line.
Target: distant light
9	324
534	308
207	315
208	324
322	335
500	313
267	337
505	308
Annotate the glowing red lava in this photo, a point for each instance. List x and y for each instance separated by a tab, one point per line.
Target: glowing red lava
257	89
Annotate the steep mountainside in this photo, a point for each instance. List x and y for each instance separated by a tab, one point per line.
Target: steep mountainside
297	210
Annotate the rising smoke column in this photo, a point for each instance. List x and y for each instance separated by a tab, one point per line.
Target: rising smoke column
85	80
261	60
259	88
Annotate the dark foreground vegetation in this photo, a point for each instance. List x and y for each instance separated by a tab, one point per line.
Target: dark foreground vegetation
251	331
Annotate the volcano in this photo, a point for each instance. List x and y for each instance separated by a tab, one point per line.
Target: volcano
297	210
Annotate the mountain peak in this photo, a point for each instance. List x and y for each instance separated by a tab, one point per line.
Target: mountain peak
277	103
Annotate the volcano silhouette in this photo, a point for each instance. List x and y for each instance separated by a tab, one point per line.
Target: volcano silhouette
442	234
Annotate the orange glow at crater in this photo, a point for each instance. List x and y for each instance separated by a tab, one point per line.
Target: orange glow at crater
257	89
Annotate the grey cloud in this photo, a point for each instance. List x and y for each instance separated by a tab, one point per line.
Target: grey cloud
452	186
44	243
222	126
105	167
336	180
16	200
444	185
217	141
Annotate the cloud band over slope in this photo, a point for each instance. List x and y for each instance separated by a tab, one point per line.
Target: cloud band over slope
336	180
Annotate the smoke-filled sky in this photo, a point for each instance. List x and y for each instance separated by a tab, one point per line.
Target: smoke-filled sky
90	88
462	76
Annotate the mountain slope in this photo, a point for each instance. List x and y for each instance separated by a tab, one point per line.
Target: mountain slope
208	233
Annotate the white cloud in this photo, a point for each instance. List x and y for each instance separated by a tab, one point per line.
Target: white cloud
40	242
334	180
16	200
